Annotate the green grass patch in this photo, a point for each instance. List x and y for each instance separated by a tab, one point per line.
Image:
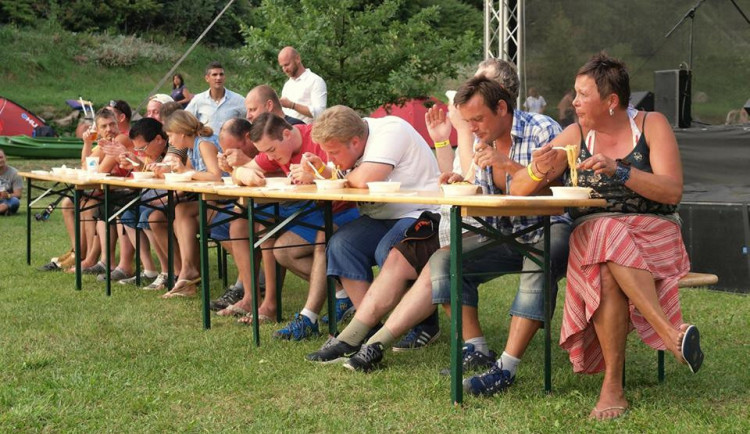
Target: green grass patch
79	361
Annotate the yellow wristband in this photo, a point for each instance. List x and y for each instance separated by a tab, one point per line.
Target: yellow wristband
442	144
531	174
322	168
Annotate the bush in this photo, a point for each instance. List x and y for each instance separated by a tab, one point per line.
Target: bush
128	51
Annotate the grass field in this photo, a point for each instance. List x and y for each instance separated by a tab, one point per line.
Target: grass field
78	361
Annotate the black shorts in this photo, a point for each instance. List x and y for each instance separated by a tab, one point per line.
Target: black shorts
421	241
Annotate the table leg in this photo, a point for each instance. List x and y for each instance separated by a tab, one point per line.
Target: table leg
137	245
77	232
169	216
547	308
108	261
330	282
253	284
28	221
456	306
205	283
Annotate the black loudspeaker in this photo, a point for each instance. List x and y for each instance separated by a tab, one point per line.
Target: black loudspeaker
672	96
747	107
717	237
642	100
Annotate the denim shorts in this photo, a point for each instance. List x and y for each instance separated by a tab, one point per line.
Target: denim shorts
529	301
13	204
363	243
316	218
220	232
127	218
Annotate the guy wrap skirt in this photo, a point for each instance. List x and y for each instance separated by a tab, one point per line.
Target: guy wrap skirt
638	241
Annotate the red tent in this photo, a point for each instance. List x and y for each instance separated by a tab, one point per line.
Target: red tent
16	120
413	111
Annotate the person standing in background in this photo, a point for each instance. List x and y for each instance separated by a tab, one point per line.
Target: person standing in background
218	104
304	95
534	103
180	93
11	187
566	113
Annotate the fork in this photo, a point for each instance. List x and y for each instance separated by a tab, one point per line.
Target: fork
315	171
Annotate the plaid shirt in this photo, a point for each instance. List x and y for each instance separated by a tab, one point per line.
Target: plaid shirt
529	132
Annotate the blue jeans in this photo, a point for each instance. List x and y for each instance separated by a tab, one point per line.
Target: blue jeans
13	204
529	301
355	248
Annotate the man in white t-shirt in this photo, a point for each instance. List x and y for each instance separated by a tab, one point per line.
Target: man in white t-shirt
373	150
304	95
535	103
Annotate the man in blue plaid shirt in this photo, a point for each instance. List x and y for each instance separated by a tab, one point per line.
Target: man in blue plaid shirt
505	140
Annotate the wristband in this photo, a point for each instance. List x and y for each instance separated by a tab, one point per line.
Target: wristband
322	168
531	174
442	144
622	173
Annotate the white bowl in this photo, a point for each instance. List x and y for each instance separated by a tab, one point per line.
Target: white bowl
59	171
571	192
227	180
278	181
384	186
178	177
143	175
330	184
459	189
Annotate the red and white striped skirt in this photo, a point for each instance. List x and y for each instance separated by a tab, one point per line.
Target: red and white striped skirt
637	241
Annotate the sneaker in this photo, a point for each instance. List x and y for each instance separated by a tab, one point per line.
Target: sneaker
232	295
367	358
131	280
298	328
116	276
491	382
474	360
417	338
97	268
158	284
50	266
344	310
333	351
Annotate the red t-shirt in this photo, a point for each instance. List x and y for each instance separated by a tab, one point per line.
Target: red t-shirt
268	165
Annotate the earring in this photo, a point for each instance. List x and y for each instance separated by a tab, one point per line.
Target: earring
611	111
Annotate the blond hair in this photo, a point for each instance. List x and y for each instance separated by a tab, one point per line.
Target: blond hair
183	122
338	123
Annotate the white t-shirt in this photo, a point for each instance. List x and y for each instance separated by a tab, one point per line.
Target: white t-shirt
394	142
308	89
535	104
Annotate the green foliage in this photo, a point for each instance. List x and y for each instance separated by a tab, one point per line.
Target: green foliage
128	51
17	11
366	55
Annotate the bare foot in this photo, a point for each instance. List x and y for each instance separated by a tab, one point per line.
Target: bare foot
677	352
608	413
612	403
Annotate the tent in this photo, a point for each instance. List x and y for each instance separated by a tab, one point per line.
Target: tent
16	120
413	112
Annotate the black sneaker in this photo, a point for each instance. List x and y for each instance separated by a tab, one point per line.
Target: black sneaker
333	351
494	381
232	295
50	266
366	359
417	338
474	360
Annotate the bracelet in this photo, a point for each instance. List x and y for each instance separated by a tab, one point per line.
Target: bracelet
531	174
322	168
442	144
622	173
294	104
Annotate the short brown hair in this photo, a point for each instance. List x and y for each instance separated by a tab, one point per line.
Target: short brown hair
491	92
338	123
269	125
610	75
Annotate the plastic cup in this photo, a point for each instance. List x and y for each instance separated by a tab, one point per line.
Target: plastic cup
92	164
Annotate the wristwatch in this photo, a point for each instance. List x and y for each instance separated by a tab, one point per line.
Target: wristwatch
622	172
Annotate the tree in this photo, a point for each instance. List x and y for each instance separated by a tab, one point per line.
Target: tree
367	55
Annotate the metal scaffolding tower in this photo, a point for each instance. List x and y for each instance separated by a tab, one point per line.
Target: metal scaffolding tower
503	31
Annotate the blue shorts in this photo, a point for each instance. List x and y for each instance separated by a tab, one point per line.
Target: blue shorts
127	218
220	232
13	204
355	248
316	218
529	301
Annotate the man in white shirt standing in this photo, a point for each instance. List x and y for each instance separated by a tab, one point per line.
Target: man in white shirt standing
218	104
304	95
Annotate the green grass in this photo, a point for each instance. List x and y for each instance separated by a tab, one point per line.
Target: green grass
78	361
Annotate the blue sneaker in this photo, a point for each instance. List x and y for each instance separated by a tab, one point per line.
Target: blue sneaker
474	360
344	311
298	328
417	338
491	382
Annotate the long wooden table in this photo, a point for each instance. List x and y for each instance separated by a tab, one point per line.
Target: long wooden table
461	206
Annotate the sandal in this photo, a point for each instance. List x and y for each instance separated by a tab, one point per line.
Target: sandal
184	288
614	413
233	310
247	319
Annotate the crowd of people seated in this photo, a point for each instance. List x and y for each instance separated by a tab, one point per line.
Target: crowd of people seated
622	262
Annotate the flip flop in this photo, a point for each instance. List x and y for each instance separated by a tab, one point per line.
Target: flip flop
247	319
691	348
616	408
183	288
232	310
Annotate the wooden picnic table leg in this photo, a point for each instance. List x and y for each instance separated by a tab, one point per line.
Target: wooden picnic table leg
203	248
456	306
250	286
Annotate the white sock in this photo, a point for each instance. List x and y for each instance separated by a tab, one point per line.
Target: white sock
310	314
508	363
151	274
341	294
480	344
